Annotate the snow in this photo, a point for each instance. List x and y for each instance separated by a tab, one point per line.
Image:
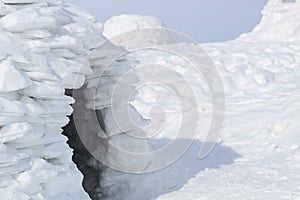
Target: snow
9	71
35	159
258	155
124	23
47	47
260	127
280	22
121	30
27	19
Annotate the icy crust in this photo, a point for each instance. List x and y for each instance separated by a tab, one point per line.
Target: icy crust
280	22
44	49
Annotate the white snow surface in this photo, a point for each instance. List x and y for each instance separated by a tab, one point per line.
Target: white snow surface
258	156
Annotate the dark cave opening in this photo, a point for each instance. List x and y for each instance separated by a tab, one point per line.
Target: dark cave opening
85	162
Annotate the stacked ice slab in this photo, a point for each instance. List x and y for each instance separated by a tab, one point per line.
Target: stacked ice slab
43	50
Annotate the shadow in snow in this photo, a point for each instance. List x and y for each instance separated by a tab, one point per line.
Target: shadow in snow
174	177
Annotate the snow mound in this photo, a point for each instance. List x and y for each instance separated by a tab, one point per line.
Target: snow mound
121	30
124	23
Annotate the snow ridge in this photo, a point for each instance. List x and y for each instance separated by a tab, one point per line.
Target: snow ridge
280	22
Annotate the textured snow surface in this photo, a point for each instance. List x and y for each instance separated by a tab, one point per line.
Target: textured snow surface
261	131
258	156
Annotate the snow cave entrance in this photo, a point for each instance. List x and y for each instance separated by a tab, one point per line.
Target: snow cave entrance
84	161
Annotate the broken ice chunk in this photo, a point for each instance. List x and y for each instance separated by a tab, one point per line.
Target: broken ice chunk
27	19
14	131
11	78
8	107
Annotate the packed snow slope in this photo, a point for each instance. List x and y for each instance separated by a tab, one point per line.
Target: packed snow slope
259	153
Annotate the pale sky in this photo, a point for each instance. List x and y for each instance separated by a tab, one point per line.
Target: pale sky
205	21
